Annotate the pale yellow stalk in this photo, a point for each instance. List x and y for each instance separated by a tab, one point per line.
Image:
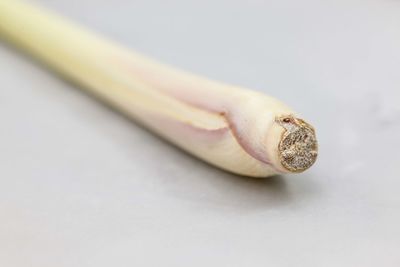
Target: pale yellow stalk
237	129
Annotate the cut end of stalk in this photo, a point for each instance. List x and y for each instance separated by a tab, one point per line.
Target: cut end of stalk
298	147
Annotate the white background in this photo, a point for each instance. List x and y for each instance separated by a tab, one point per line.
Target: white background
80	185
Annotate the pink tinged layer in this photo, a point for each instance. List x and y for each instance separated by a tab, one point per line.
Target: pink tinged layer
217	146
240	126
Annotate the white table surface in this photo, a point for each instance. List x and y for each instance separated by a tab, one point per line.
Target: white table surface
80	185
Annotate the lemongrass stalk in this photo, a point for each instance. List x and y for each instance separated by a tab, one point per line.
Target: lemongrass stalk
236	129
